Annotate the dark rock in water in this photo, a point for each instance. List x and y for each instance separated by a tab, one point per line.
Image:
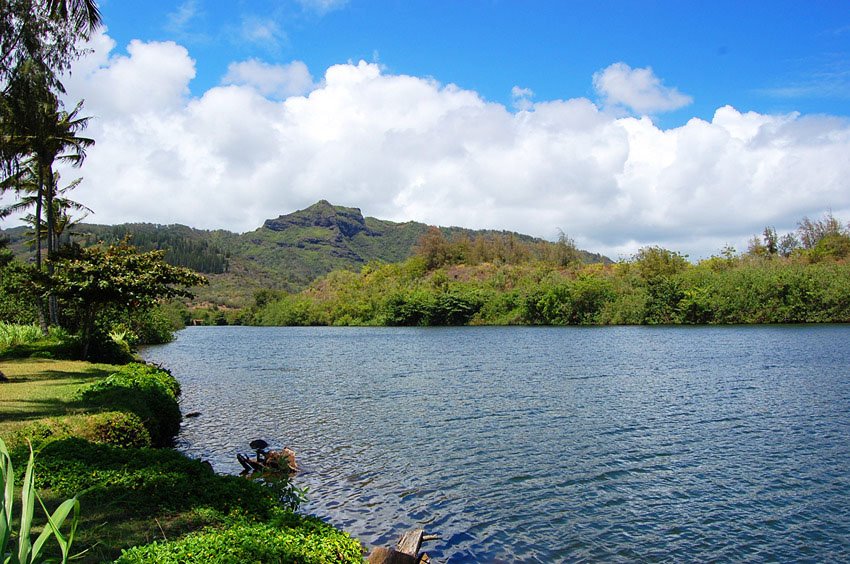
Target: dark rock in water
258	444
3	377
193	414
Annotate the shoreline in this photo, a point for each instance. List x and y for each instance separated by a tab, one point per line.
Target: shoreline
143	503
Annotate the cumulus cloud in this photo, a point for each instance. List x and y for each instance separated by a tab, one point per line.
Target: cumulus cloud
620	85
409	148
152	77
274	81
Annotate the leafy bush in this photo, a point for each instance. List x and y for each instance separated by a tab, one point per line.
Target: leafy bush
288	538
148	392
11	334
21	341
153	326
116	428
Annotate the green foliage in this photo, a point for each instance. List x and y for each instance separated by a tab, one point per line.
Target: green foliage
12	335
21	341
29	552
832	246
657	286
289	538
454	306
117	428
110	281
143	483
147	392
148	479
183	245
18	299
120	275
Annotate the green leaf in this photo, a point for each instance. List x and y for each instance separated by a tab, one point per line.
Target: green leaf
55	523
27	509
7	499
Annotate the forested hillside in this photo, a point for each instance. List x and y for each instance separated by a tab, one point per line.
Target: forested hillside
286	253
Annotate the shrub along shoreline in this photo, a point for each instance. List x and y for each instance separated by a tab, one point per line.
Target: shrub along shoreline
101	432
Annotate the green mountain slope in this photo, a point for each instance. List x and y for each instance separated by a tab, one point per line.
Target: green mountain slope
286	253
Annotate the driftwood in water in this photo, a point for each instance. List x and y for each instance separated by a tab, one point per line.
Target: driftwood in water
269	460
406	550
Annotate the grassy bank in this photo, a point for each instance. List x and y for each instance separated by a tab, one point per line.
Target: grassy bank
94	428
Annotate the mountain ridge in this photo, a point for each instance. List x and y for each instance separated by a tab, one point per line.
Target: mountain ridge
284	253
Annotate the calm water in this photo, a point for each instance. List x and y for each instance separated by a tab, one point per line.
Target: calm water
544	444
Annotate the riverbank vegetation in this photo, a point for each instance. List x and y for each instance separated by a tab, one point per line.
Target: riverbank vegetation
801	277
95	428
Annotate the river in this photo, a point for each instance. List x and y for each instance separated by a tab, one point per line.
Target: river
543	444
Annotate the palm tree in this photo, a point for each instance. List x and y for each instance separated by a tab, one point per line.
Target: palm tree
34	125
25	182
58	141
83	14
29	30
47	134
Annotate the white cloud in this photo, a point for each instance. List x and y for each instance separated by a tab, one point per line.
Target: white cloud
182	15
521	98
322	6
152	77
275	81
620	85
261	31
408	148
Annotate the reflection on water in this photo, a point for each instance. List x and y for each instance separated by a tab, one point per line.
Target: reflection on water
543	444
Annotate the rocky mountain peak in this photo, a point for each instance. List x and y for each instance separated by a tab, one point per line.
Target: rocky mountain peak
346	221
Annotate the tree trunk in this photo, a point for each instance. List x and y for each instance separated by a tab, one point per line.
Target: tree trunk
42	313
49	192
88	326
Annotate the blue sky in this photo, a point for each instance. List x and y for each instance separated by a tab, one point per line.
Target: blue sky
771	57
689	125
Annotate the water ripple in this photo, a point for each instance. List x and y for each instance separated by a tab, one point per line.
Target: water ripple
542	444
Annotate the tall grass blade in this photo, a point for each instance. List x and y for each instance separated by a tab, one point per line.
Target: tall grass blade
27	510
54	524
7	499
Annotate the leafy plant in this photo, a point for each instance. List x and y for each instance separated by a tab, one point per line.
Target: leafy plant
29	552
288	538
148	392
11	334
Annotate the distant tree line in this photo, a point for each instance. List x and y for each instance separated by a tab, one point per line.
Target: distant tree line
439	250
180	250
502	283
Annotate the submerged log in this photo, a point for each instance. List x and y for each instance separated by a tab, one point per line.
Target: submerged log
410	542
406	550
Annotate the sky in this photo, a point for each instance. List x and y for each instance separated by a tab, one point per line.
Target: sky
686	124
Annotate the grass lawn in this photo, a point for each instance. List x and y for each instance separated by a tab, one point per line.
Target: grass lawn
131	497
41	389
